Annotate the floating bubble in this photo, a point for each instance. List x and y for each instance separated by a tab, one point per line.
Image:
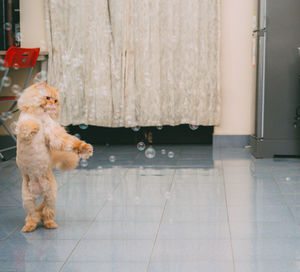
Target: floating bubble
6	81
287	178
83	126
150	152
135	129
18	36
137	200
40	77
43	45
193	127
2	68
13	127
171	154
84	163
159	127
163	152
112	158
3	116
168	195
16	89
7	26
16	66
141	146
77	135
99	167
9	115
109	197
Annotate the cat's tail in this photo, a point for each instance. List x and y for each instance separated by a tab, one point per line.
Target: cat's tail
64	161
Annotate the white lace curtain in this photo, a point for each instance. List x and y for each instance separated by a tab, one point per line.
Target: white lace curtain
135	62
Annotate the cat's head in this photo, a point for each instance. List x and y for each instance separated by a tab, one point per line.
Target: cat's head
40	97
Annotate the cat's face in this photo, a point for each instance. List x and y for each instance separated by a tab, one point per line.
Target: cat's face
51	102
39	97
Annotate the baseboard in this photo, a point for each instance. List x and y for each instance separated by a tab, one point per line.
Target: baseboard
231	140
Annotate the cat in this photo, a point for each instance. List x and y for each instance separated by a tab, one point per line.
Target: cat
41	145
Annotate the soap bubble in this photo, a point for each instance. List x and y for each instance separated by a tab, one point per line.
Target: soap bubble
135	129
7	26
2	68
16	89
99	167
40	77
287	178
77	135
18	36
137	200
163	152
193	127
83	126
16	66
171	154
150	152
6	81
9	115
109	197
112	158
13	127
141	146
159	127
84	163
168	195
3	116
43	45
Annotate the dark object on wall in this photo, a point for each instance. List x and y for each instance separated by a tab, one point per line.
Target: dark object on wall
278	86
181	134
9	24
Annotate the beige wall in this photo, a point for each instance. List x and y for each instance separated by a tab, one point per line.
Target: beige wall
238	75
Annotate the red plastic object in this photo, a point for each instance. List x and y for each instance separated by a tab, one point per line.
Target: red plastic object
8	98
18	57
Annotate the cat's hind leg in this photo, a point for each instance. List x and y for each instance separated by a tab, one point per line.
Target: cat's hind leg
48	205
29	199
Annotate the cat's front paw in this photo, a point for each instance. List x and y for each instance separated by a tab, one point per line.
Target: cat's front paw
85	150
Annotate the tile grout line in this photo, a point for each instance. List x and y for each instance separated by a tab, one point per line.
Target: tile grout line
90	225
230	235
160	222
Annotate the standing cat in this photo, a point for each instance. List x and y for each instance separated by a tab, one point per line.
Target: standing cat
42	144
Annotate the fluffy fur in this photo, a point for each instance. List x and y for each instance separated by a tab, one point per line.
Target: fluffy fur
43	144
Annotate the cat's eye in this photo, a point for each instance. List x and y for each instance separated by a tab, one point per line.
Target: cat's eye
55	101
47	97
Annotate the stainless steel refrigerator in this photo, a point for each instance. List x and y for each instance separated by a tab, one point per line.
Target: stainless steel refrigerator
277	128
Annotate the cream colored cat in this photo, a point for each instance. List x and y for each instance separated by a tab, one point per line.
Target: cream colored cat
42	144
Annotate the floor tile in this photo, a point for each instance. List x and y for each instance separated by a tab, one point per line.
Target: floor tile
113	266
207	266
36	250
112	251
23	265
250	212
134	213
188	213
266	249
193	230
191	250
124	230
259	265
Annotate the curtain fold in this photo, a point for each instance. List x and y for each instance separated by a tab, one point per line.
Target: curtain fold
135	62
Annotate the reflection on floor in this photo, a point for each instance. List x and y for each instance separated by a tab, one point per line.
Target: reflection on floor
203	210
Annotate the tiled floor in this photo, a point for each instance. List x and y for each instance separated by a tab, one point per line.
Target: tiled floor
203	210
